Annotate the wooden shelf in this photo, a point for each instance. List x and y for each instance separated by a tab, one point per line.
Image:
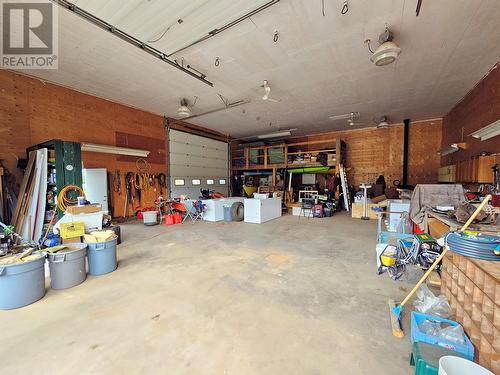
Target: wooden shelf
243	156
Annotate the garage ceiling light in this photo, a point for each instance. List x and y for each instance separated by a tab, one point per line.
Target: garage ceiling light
488	132
92	147
284	133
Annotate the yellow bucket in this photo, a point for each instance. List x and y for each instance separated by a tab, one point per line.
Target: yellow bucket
388	257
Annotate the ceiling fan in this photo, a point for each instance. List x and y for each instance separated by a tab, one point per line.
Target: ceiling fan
267	92
350	117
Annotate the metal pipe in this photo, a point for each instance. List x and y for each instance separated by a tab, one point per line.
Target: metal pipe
229	106
406	137
128	38
225	27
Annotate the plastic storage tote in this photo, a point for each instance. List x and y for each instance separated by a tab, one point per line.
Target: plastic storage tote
425	357
227	214
102	257
22	283
68	268
419	336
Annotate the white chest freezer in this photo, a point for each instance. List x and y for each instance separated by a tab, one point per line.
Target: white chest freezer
259	211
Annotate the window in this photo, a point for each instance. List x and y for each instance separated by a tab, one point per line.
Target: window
179	182
222	181
196	182
210	182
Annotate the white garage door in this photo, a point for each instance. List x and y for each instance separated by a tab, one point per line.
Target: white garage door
197	163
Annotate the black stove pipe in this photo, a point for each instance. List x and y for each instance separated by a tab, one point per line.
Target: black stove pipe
406	137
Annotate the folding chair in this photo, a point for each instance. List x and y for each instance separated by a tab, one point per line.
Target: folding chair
193	211
306	205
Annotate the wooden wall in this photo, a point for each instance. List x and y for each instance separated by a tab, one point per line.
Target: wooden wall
480	107
372	152
32	112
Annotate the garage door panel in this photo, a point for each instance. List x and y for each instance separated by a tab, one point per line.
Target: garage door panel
199	161
195	157
190	149
196	171
190	159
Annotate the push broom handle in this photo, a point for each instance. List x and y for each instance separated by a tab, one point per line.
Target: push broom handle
441	256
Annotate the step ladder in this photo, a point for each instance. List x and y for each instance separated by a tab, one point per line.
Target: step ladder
345	188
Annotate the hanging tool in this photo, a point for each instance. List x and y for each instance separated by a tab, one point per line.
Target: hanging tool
117	182
162	181
395	310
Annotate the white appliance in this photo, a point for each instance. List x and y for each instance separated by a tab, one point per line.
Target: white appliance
397	205
259	211
215	207
95	186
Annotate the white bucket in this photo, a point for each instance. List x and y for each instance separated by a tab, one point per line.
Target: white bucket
150	217
451	365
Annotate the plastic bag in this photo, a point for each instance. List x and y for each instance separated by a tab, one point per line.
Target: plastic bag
428	303
443	330
453	333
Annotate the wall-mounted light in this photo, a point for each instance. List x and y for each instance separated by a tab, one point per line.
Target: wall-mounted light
105	149
489	131
454	147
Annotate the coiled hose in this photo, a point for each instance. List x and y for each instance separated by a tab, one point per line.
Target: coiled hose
63	200
475	246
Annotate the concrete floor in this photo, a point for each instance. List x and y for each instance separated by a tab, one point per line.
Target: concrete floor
286	297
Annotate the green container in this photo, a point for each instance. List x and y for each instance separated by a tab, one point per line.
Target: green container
425	357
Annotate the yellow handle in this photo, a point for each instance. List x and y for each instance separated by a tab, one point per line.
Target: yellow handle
441	256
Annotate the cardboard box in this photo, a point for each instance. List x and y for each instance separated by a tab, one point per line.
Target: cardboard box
87	209
437	228
71	240
357	210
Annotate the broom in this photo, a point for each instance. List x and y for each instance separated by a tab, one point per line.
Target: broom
394	309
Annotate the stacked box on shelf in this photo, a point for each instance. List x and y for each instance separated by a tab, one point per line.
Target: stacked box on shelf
276	155
473	290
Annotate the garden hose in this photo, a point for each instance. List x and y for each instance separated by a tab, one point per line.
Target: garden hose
474	245
63	200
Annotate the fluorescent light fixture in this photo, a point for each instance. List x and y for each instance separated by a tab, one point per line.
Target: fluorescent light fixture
454	147
105	149
489	131
282	133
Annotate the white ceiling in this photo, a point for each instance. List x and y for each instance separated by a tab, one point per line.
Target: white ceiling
319	66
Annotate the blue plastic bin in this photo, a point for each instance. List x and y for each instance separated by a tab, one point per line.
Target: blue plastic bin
102	257
418	336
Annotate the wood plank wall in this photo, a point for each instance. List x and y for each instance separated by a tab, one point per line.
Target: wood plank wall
32	112
479	108
371	152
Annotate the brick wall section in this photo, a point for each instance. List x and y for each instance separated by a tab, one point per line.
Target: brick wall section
479	108
32	112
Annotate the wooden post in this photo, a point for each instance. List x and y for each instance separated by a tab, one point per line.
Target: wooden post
274	176
247	156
